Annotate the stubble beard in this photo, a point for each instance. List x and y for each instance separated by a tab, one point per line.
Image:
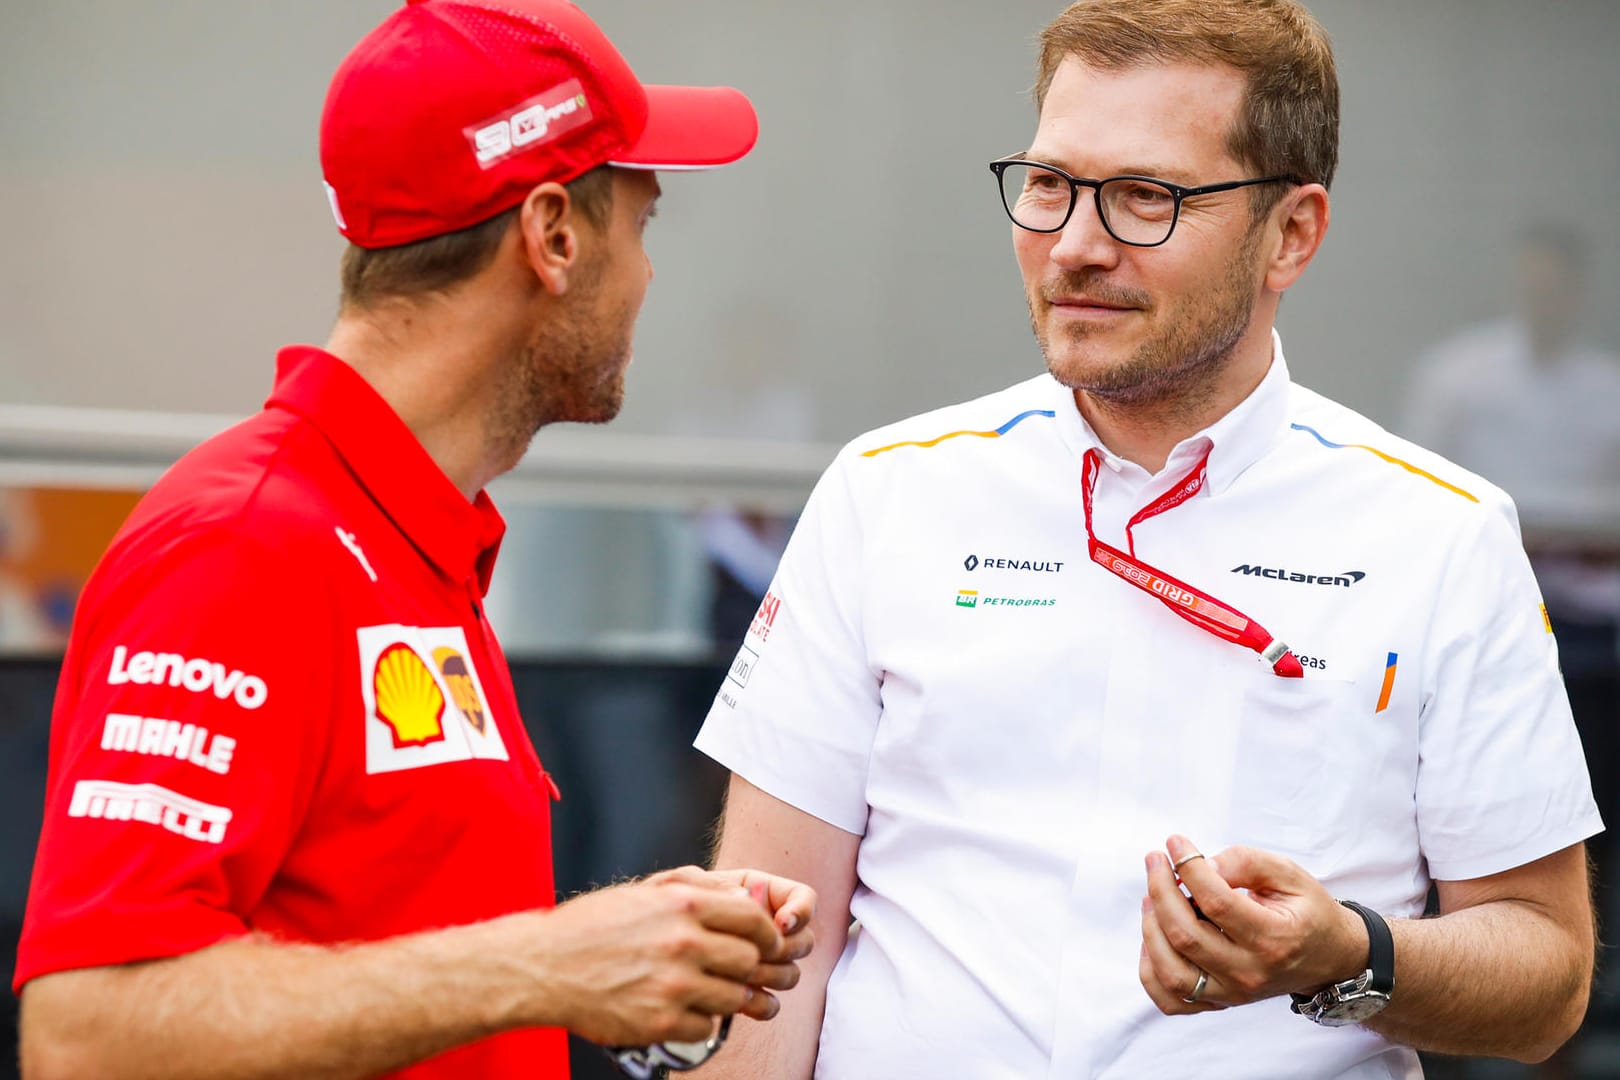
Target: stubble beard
1178	369
571	371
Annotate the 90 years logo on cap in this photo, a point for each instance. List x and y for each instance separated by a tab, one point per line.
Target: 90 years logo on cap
538	120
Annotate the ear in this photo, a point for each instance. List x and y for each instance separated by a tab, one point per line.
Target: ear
1299	224
549	225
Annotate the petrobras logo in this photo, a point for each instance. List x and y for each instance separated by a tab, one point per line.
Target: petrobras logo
151	804
534	122
970	598
424	701
153	737
198	676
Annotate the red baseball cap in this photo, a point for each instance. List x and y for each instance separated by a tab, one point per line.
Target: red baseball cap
452	111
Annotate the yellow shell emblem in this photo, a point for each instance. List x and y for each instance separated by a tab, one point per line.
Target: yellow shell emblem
409	700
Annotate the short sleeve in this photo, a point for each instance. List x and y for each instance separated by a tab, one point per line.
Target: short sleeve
1502	780
189	728
797	713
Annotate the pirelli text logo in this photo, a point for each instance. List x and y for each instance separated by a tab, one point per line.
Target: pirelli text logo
151	804
1344	579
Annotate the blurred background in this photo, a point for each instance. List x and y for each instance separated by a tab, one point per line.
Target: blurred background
166	230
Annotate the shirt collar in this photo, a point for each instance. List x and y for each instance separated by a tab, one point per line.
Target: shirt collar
461	538
1236	441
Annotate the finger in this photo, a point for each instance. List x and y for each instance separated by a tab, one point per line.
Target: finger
762	1006
1236	914
691	1026
724	955
774	976
736	914
1167	977
796	946
1260	871
699	877
792	903
716	996
1199	941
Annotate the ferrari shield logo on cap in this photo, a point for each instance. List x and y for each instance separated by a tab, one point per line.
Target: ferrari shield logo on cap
424	702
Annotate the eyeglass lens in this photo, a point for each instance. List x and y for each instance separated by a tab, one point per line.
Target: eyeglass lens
1135	211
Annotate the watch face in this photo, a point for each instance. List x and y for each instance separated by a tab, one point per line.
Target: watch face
1363	1006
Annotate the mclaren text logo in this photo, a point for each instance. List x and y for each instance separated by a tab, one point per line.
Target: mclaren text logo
992	562
168	738
198	676
1344	580
152	804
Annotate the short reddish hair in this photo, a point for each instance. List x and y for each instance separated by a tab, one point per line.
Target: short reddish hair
1289	125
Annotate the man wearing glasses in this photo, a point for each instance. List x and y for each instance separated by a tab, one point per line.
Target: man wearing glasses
1160	601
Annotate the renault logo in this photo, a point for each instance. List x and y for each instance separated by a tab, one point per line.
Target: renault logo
971	562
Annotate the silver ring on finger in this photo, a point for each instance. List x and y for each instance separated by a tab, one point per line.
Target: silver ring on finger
1198	988
1185	859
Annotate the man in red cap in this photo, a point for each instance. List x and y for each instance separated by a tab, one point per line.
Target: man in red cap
294	825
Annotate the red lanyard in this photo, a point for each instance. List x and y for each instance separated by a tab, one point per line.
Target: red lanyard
1197	607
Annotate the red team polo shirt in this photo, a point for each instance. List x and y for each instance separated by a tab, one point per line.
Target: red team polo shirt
282	710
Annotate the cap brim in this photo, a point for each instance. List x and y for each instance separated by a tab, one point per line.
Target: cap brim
692	127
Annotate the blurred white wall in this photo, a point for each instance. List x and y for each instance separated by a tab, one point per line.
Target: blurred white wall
165	228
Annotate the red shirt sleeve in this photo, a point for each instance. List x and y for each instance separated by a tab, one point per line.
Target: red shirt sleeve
190	724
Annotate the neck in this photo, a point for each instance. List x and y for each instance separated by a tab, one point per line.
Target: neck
1146	431
434	367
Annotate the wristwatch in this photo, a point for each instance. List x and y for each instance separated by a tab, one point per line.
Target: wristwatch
1366	995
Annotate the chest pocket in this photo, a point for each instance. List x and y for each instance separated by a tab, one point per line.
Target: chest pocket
1294	775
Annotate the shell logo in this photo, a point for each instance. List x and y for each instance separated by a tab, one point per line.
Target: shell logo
409	700
458	677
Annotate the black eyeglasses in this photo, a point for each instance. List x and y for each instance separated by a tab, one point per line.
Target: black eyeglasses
660	1059
1136	210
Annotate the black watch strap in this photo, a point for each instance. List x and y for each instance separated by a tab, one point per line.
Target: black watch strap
1380	948
1380	953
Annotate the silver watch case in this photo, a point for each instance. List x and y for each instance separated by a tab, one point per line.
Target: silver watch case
1349	1002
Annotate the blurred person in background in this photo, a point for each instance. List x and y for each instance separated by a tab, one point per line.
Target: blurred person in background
1526	402
294	825
761	402
1012	646
24	624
